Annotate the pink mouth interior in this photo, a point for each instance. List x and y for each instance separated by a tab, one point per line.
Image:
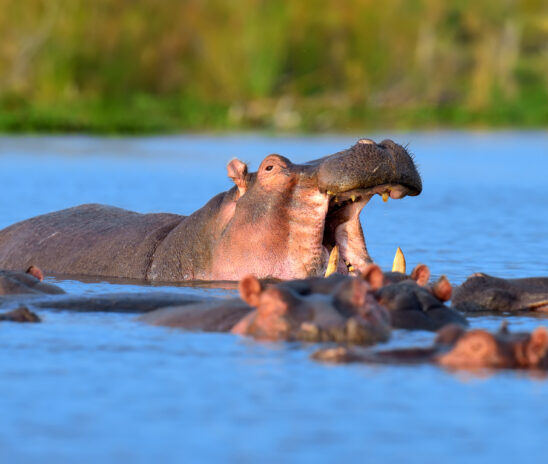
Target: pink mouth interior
343	228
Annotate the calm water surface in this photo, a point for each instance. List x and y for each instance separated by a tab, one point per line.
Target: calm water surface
103	388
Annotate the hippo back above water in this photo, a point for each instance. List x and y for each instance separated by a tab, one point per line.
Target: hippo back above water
282	221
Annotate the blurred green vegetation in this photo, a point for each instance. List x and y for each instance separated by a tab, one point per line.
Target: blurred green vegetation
171	65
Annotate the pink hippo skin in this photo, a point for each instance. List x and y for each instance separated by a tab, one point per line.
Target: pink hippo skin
349	314
279	222
276	312
457	348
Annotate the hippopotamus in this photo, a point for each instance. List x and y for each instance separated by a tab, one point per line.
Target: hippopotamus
456	348
276	312
413	302
482	292
27	287
417	307
21	314
29	282
281	221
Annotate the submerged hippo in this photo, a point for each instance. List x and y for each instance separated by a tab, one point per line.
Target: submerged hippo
279	222
482	292
412	302
21	314
417	307
276	312
29	282
457	348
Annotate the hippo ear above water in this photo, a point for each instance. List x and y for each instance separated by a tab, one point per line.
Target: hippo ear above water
421	274
441	289
374	276
537	346
237	171
250	290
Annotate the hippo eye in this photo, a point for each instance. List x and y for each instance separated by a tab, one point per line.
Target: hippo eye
268	168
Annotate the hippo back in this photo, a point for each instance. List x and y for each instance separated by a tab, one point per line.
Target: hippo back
87	240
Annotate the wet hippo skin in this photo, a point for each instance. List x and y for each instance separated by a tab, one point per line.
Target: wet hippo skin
17	283
269	311
282	221
412	301
21	314
457	348
482	292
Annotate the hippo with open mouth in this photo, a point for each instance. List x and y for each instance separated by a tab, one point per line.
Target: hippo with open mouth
282	221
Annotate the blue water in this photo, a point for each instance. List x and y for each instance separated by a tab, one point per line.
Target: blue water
104	388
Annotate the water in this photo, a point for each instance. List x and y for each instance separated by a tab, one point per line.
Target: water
103	388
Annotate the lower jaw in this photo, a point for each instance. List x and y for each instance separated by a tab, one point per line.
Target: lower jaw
344	265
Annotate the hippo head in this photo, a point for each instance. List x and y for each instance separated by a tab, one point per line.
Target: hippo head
457	348
480	349
413	306
349	314
284	220
482	292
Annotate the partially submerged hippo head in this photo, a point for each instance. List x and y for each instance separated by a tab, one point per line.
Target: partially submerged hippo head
285	219
457	348
349	314
21	314
29	282
420	274
413	306
413	302
482	292
480	349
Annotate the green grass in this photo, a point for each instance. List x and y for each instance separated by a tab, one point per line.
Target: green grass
144	66
148	115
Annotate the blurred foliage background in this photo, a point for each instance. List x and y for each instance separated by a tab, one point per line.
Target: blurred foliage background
172	65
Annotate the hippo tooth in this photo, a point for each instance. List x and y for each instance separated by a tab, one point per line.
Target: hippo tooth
353	198
385	196
329	192
351	268
333	261
399	262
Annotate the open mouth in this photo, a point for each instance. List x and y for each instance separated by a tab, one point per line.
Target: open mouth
344	249
540	306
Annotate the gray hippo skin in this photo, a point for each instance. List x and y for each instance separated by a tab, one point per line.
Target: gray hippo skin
17	283
282	221
21	314
276	312
456	348
412	302
415	307
482	292
27	287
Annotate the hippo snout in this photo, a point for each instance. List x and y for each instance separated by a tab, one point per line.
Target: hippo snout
367	165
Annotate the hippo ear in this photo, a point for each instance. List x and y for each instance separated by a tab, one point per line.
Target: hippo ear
538	345
421	274
442	289
35	271
250	290
237	171
374	276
